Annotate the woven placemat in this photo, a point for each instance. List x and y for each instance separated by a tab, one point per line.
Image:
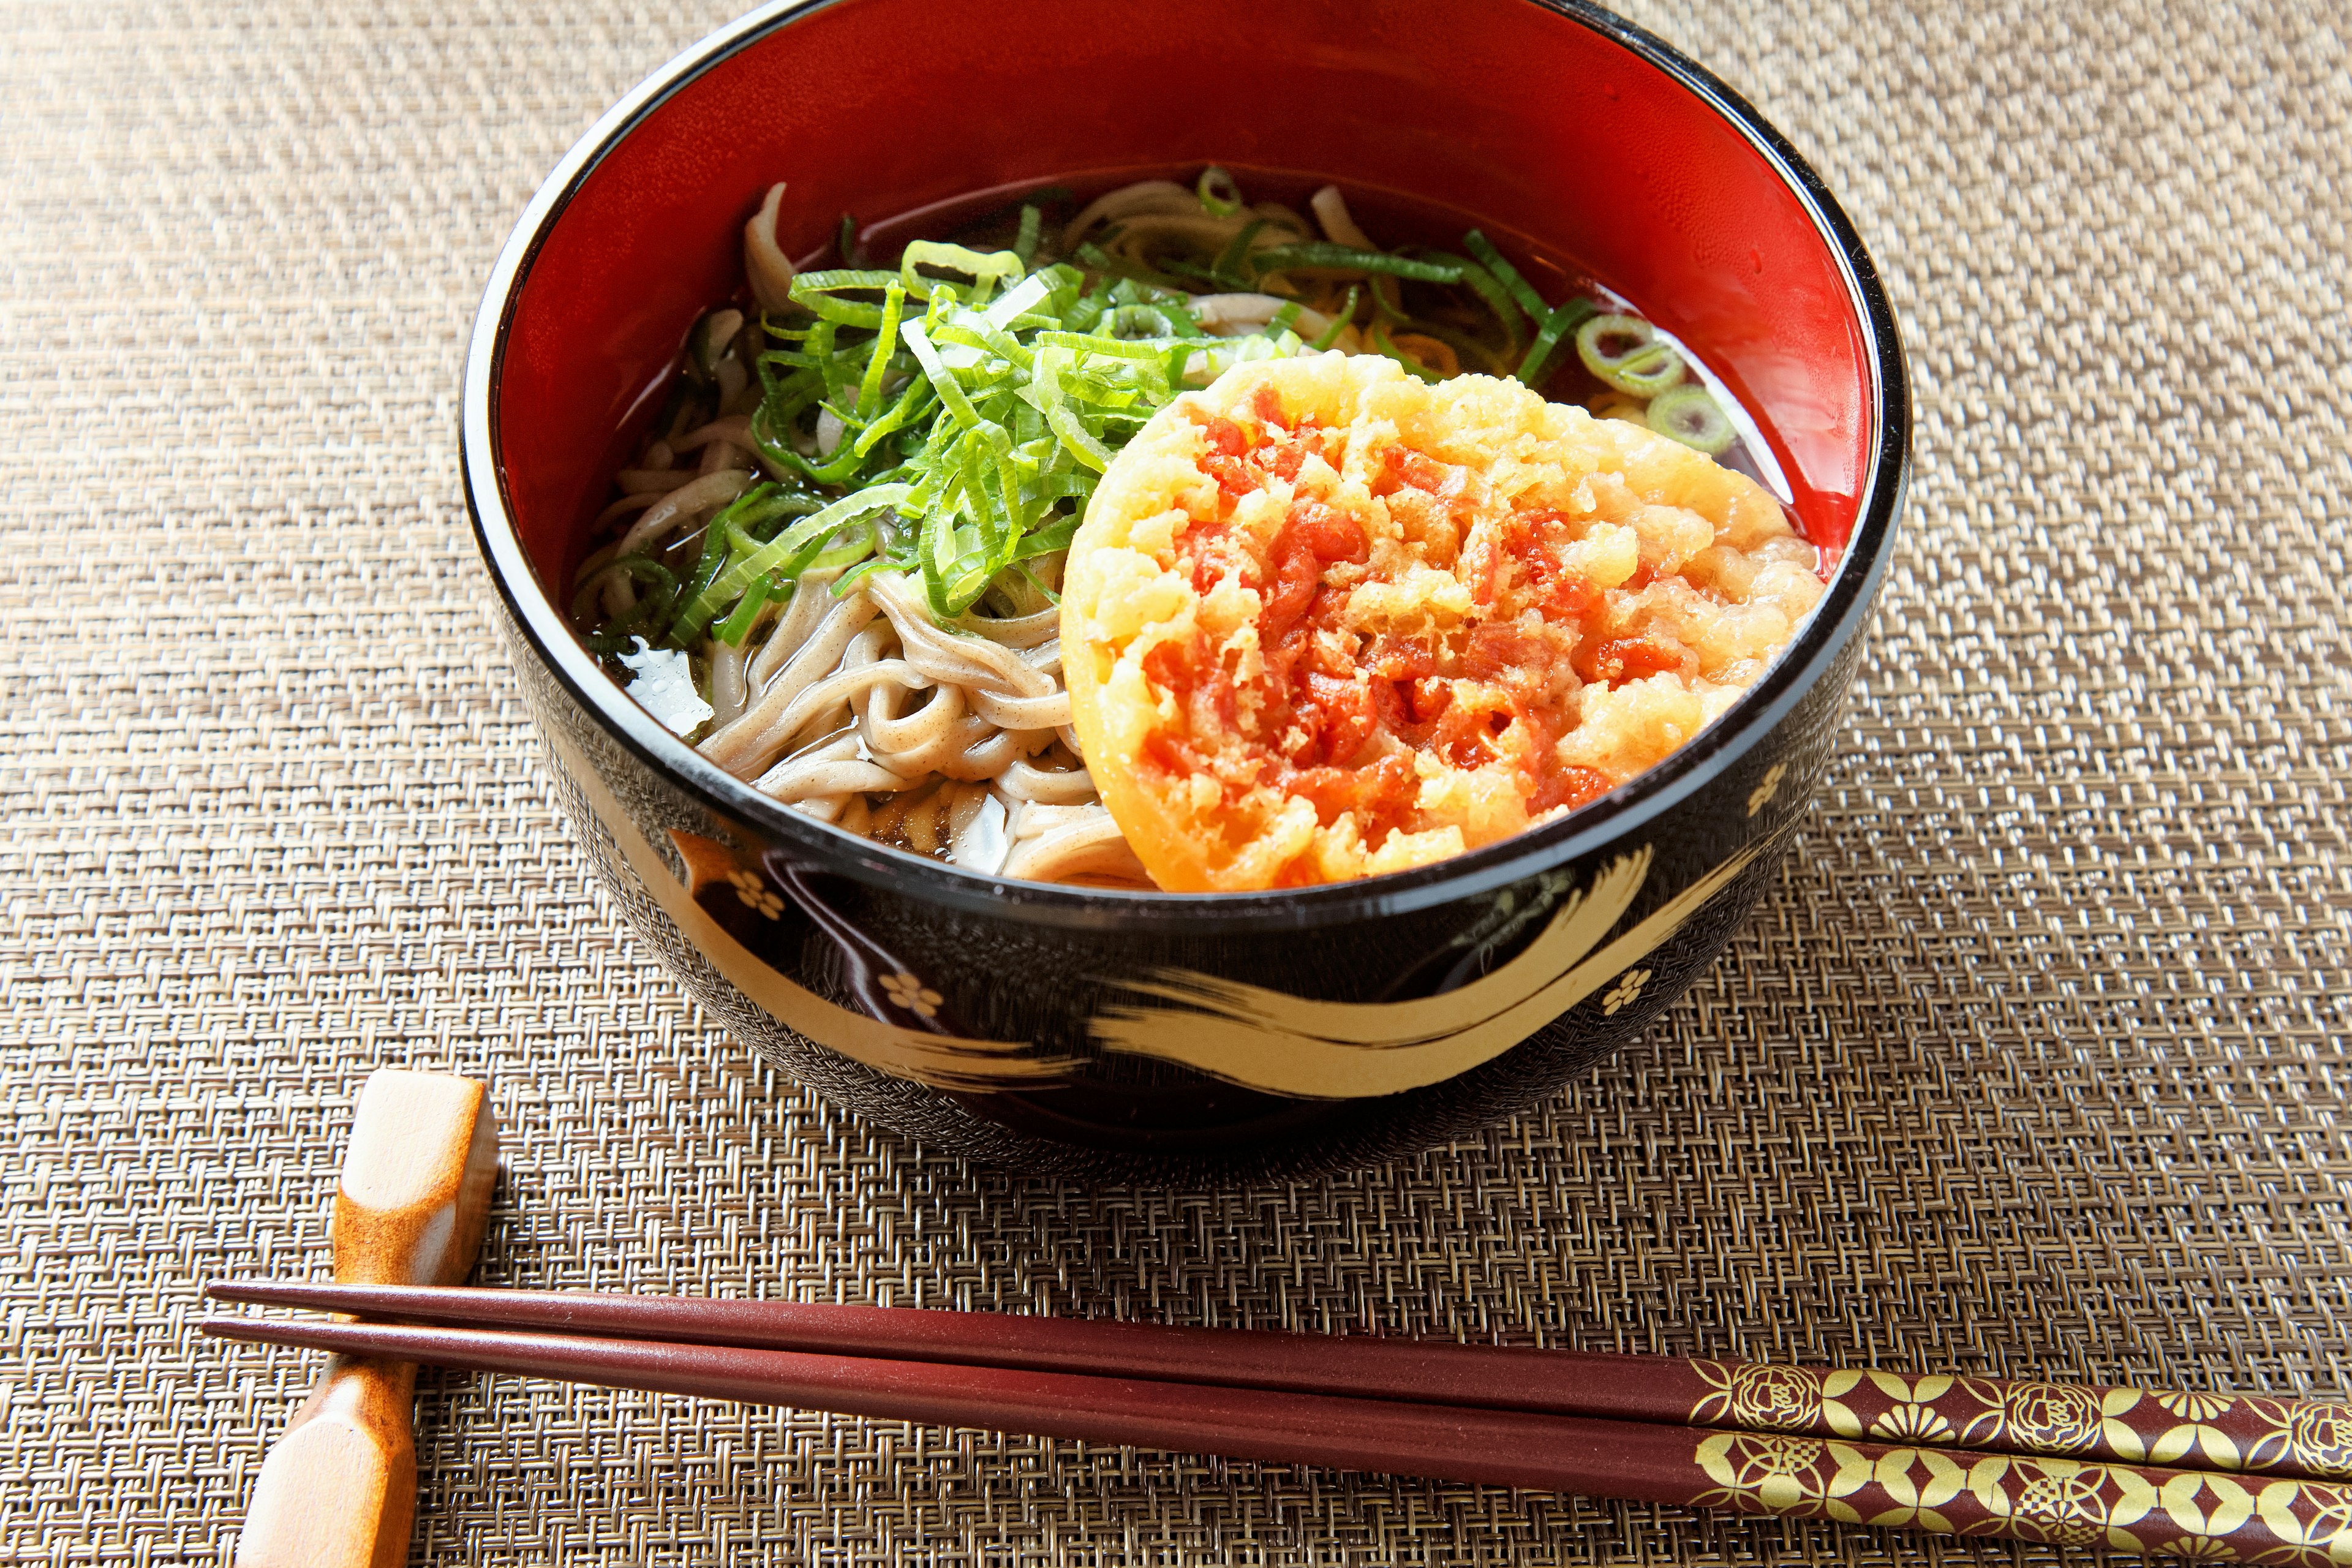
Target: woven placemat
2035	1063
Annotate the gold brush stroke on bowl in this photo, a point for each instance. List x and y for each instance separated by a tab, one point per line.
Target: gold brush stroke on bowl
1342	1050
943	1061
1248	1034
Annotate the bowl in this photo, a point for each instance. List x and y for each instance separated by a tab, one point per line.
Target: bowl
1193	1037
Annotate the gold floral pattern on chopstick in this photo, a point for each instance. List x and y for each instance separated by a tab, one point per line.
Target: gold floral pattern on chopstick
2200	1515
2303	1437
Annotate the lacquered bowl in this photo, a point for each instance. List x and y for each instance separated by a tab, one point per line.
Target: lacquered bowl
1164	1036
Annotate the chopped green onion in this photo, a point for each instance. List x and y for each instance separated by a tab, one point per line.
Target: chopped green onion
1076	440
834	278
1228	265
976	332
1047	541
816	290
1537	366
1519	289
1029	576
1328	256
737	626
898	414
1101	260
1488	288
1390	351
803	541
950	391
643	567
1626	352
1198	274
869	390
1330	334
762	515
1691	416
841	555
834	371
1175	307
1218	193
970	430
1130	322
711	559
1104	347
984	268
1026	296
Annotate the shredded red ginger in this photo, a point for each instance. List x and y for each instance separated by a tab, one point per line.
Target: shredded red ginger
1363	621
1325	691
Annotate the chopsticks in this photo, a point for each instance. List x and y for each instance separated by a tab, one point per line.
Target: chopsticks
1862	1447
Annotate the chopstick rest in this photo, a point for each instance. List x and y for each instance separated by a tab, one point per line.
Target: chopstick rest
339	1490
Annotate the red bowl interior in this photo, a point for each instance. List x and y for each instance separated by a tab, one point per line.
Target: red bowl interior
1523	118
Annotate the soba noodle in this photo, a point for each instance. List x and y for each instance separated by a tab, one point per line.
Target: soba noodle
863	706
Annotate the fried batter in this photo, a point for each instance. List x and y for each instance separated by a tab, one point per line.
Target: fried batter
1323	621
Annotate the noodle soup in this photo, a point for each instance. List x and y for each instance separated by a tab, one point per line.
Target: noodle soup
1120	1032
834	565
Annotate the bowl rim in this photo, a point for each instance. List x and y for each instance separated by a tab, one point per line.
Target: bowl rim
1844	609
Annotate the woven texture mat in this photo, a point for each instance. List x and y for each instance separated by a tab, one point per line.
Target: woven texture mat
2035	1063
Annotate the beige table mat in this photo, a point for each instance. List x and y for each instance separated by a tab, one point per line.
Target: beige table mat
2035	1063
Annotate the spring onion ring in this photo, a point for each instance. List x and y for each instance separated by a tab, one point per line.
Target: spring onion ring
1690	414
1626	352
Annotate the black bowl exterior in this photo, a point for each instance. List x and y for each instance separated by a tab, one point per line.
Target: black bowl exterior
1203	1052
1198	1036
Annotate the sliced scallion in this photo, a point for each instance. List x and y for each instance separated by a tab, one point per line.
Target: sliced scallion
1218	193
1519	289
1388	350
1690	414
950	390
1340	323
788	555
1557	323
1328	256
1228	267
1626	352
869	389
644	568
1490	289
986	269
738	625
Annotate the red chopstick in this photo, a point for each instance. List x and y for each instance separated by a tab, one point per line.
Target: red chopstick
1431	1372
1989	1414
2127	1508
1502	1447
